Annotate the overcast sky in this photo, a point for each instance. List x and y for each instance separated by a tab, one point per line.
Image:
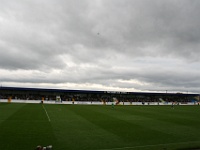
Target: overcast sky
115	45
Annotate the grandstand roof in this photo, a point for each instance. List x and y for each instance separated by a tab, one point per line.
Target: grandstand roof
89	91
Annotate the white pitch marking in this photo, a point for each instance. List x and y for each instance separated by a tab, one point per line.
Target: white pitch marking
46	113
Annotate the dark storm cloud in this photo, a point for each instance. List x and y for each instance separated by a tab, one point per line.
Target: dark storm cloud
146	45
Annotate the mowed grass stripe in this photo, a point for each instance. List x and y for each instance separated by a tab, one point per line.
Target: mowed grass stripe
166	113
26	128
174	124
148	124
75	132
84	127
174	121
159	146
7	110
129	133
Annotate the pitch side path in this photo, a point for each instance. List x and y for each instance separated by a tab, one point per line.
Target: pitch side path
83	127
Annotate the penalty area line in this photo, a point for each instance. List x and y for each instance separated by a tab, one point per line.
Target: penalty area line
46	113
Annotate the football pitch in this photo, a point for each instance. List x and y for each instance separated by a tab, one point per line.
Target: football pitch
84	127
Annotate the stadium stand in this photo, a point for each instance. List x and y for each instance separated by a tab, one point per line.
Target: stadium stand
39	94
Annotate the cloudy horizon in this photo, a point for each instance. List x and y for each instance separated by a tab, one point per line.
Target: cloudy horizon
115	45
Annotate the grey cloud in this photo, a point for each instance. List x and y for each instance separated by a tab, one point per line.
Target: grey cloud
102	42
168	25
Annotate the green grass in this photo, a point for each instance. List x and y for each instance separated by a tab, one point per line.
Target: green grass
82	127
